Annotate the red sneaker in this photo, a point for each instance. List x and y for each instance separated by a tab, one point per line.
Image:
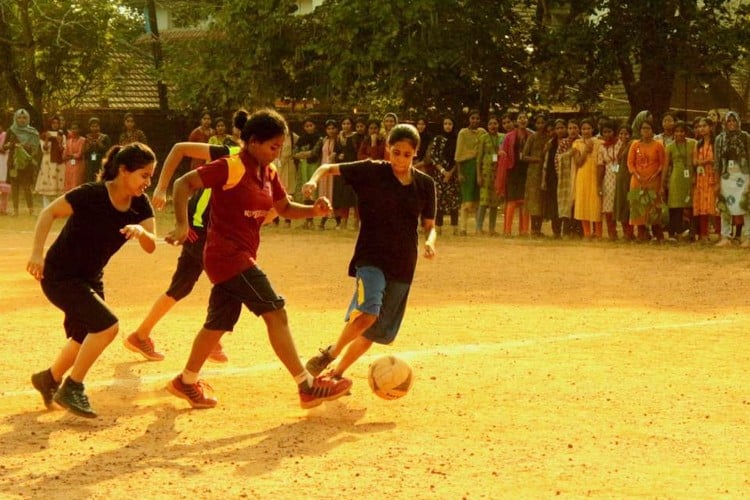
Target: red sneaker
217	354
324	389
193	393
144	347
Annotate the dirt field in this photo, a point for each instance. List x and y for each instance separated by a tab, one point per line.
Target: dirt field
542	369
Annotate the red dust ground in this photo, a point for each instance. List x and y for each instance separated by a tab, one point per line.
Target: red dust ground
542	369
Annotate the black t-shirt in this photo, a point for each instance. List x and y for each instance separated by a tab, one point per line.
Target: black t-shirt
91	234
198	206
389	214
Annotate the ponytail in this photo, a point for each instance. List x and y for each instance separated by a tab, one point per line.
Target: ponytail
133	156
239	119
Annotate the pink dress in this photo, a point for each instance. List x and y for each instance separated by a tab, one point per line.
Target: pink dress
328	155
75	167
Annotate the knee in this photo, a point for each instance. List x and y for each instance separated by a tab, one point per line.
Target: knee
110	333
364	320
276	319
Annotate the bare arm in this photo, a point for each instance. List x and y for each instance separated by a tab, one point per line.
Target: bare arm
58	209
292	210
328	169
429	245
183	188
145	232
199	150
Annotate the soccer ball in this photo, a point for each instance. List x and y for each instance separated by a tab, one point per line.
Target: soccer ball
389	377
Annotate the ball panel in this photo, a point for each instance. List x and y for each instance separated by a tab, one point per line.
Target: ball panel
390	377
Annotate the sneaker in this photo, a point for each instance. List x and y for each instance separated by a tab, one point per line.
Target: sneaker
217	355
45	383
193	393
324	389
71	397
317	364
144	347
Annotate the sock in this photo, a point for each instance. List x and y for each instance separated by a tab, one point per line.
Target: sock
304	379
188	377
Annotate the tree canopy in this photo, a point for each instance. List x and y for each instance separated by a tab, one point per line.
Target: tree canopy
54	52
418	56
645	44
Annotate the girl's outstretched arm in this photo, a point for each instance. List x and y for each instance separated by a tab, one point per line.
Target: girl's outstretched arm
58	209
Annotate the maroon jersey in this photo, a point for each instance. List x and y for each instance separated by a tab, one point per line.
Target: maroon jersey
241	197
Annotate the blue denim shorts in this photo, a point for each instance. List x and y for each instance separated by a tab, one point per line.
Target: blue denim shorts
375	295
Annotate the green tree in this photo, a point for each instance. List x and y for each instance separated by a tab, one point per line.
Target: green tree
417	54
242	58
645	44
404	54
53	52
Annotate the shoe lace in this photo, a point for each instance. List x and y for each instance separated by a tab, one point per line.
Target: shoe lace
146	345
197	390
323	387
80	398
325	355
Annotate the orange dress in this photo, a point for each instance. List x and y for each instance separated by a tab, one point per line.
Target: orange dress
645	164
704	194
75	165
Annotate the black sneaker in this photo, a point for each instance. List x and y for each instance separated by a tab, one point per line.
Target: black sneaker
71	397
317	364
45	383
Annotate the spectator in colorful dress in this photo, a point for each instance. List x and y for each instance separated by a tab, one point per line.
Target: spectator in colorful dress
732	160
706	181
550	180
24	148
4	186
425	138
75	164
646	161
533	155
441	165
668	122
373	147
201	133
131	133
288	169
344	199
389	121
307	152
622	182
510	180
608	167
50	183
566	179
679	178
328	155
588	200
221	137
96	146
467	150
487	160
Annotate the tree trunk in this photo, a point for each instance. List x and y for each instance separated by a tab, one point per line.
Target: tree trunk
157	54
11	69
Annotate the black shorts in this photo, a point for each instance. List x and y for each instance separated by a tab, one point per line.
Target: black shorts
189	268
251	288
83	304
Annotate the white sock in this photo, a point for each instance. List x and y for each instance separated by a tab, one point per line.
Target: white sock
304	377
189	377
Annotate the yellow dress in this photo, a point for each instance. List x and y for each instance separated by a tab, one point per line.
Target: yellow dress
588	201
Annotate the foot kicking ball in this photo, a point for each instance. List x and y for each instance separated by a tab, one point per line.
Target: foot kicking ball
390	377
